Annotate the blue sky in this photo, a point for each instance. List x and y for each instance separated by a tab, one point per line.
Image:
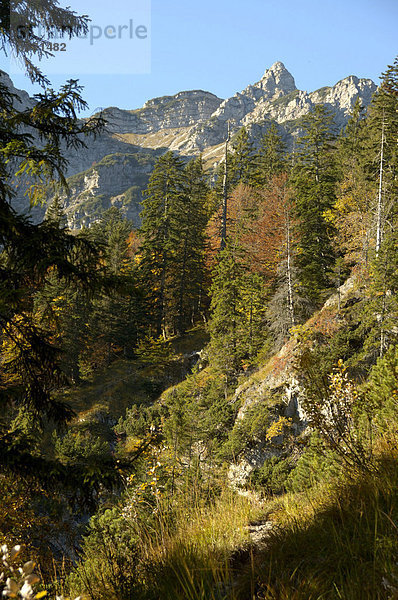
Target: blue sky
223	45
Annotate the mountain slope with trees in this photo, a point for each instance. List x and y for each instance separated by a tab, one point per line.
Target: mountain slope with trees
248	324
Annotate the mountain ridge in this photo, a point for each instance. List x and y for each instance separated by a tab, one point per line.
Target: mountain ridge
191	122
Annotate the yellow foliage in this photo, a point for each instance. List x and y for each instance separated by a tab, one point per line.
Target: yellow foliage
277	427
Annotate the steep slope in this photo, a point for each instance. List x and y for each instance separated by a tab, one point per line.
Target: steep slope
277	379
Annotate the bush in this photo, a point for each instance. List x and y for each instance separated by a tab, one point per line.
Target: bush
272	477
110	554
76	446
314	466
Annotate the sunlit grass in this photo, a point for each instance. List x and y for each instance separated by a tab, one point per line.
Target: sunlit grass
192	559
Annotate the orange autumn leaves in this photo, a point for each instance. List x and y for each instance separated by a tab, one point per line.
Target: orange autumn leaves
257	222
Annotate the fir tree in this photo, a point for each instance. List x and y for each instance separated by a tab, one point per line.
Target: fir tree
352	212
190	257
241	161
164	211
31	142
314	179
270	158
381	151
225	350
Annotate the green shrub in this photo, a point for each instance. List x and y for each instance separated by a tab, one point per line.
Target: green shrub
109	558
77	446
315	465
271	478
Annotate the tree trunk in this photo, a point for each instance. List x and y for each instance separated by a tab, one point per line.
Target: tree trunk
225	197
380	196
289	270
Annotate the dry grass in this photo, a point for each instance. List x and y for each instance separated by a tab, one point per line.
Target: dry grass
192	559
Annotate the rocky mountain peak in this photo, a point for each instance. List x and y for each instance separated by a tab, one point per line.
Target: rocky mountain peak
277	70
277	81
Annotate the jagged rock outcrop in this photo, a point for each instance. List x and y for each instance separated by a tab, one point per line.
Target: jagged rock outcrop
340	99
22	100
182	110
115	181
275	83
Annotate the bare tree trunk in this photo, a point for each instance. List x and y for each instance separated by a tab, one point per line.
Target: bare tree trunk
383	311
182	287
380	196
162	309
289	270
225	196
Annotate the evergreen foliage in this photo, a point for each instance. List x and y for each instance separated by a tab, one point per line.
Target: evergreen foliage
271	158
314	177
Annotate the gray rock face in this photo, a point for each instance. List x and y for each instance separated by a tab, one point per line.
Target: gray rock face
189	123
182	110
279	375
275	98
117	180
275	83
340	99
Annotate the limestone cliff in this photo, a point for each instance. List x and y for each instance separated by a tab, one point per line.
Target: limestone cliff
189	123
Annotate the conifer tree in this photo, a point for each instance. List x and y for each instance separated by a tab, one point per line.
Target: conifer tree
352	212
190	256
241	161
381	151
31	145
164	212
379	313
270	158
314	180
114	318
24	27
225	350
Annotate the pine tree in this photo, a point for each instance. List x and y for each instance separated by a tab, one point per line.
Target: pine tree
164	211
31	144
114	319
19	28
382	153
270	158
352	212
238	305
379	314
314	180
55	213
241	160
190	256
225	350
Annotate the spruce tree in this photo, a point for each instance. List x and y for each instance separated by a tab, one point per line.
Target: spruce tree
382	153
31	147
114	318
352	212
225	350
164	212
270	158
314	178
190	256
241	160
